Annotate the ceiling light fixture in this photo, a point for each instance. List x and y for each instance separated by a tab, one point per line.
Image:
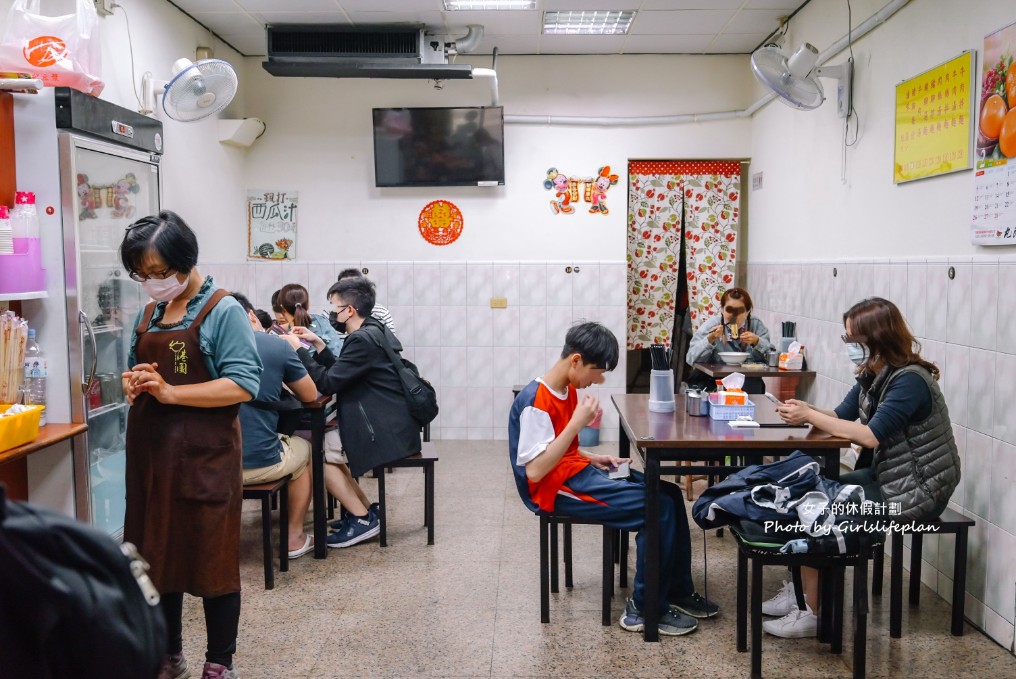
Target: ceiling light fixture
453	5
586	22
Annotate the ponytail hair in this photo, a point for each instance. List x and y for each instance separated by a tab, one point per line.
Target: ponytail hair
293	298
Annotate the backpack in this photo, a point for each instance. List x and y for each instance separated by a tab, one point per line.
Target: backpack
73	603
421	397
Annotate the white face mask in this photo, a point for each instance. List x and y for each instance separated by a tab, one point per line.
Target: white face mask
857	353
165	289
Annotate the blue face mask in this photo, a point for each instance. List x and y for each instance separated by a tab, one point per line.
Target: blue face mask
857	353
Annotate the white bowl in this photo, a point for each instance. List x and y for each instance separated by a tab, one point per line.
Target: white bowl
733	357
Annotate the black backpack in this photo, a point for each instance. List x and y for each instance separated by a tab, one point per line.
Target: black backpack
73	603
421	397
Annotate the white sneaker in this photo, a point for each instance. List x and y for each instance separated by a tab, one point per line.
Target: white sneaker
784	602
796	624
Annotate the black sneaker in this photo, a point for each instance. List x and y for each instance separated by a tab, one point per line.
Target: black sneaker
374	509
696	606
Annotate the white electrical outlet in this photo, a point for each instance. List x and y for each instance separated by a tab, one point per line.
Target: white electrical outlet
104	7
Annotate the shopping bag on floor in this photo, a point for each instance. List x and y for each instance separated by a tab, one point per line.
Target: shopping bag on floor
62	51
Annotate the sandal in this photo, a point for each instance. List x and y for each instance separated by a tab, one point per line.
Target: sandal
307	546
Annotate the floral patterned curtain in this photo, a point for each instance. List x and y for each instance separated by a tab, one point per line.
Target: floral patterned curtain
659	193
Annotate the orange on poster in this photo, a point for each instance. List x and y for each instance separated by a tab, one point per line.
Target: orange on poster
440	222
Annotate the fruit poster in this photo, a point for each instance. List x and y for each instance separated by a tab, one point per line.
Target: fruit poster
933	121
994	216
271	224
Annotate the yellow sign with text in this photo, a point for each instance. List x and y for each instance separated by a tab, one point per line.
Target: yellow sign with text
933	121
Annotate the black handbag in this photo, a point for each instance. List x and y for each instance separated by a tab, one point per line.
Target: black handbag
290	411
421	397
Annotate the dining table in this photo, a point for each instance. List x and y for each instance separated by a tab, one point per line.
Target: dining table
659	438
787	382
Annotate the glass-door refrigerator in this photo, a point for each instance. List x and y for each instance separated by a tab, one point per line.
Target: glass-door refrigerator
108	175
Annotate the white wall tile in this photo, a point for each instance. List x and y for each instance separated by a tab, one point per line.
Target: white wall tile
533	326
533	284
504	282
559	284
613	284
427	325
454	408
499	433
404	318
454	433
936	313
237	278
453	283
400	284
559	319
480	408
882	285
1000	583
320	277
428	360
479	326
1005	397
267	279
479	283
426	284
454	367
974	608
296	272
984	312
976	475
1002	511
977	568
377	272
960	302
1006	337
480	433
954	382
585	313
501	400
586	284
504	366
532	363
981	391
504	325
479	366
828	292
998	628
917	285
898	287
454	332
960	436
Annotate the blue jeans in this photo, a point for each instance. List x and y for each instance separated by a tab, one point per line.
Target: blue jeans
621	503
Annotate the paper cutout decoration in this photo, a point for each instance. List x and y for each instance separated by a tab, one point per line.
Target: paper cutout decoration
567	190
440	222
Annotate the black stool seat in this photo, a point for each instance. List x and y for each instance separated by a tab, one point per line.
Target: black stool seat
266	493
424	459
948	522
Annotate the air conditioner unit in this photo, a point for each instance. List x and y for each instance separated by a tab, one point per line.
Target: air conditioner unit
328	51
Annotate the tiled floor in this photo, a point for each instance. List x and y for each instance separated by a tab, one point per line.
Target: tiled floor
468	606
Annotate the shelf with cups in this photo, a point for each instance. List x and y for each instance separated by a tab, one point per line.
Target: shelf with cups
17	296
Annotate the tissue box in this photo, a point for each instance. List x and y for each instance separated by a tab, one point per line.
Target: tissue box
17	430
792	361
728	398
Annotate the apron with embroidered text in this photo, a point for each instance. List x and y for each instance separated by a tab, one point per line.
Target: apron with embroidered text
184	471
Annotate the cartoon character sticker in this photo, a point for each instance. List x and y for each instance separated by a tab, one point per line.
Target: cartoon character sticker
121	196
558	183
600	185
87	201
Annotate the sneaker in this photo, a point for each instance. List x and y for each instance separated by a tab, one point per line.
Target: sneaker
338	525
374	509
672	623
174	667
357	529
217	671
796	624
696	606
784	602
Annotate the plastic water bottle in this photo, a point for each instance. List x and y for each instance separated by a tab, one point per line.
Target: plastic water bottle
24	221
35	373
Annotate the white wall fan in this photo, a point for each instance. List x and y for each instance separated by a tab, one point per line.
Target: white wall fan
197	89
795	80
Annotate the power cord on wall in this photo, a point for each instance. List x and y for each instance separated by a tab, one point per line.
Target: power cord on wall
130	45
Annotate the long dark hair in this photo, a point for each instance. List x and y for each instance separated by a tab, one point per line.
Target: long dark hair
294	299
878	324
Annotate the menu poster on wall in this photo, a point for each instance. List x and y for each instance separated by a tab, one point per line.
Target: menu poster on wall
271	224
933	127
994	218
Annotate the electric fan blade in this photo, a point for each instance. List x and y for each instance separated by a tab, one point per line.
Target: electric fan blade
770	67
200	90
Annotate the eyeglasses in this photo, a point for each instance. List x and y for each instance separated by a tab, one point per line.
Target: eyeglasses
852	339
142	277
735	309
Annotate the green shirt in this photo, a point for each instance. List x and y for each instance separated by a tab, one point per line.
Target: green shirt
225	336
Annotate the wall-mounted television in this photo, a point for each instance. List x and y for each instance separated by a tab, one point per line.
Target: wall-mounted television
439	146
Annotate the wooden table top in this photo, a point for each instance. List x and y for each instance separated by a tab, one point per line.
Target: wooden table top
678	429
722	370
48	435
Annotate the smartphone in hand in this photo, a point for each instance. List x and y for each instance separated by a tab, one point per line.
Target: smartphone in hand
277	329
775	400
621	471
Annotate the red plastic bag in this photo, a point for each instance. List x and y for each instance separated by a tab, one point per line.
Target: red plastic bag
62	51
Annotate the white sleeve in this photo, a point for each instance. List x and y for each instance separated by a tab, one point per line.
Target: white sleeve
536	431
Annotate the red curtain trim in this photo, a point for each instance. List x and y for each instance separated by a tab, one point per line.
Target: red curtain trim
726	168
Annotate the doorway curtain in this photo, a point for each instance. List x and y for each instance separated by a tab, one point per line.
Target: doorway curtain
664	196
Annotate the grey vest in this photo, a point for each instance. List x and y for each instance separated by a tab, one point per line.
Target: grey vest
918	467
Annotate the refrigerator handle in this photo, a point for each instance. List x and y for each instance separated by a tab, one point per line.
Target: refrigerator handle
87	382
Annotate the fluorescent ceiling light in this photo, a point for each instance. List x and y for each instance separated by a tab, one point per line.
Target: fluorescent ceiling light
452	5
587	22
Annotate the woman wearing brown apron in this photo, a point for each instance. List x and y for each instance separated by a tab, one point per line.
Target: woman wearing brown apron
193	362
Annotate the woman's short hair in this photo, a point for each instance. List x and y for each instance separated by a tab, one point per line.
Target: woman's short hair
358	292
293	298
736	293
594	343
275	302
878	324
165	234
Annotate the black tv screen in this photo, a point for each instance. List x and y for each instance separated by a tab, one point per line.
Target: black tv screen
439	146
